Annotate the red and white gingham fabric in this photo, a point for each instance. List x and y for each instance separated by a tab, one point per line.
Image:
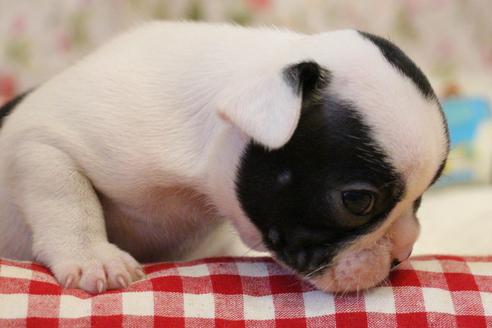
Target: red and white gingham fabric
435	291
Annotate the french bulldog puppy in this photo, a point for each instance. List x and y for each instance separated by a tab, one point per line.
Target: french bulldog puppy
316	147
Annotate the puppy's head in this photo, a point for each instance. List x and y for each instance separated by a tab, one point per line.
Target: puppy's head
336	202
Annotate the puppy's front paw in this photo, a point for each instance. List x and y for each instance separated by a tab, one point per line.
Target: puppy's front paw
98	268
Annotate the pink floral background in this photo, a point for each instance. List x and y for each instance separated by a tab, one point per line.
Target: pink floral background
451	40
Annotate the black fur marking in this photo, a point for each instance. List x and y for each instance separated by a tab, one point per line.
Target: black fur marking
293	194
10	105
306	78
439	170
405	65
416	204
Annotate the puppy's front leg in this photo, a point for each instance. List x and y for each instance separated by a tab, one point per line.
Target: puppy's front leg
66	218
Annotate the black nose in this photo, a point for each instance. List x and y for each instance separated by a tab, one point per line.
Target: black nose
395	264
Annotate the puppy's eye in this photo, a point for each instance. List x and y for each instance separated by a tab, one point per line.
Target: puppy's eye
359	202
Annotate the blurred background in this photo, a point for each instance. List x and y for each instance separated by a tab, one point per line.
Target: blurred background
450	40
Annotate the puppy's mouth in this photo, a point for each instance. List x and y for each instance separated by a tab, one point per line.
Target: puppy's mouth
349	270
303	256
306	263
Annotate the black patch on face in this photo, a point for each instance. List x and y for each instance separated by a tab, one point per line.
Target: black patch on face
293	194
405	65
10	105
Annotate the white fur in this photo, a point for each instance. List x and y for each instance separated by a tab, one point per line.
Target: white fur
141	141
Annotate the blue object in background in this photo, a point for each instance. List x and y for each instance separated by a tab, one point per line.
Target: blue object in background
465	116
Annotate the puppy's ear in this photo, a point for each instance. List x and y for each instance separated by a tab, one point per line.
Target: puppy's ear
267	107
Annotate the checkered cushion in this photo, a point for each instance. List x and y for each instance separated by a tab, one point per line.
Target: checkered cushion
437	291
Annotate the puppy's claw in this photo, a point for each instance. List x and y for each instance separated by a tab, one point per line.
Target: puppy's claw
100	286
140	273
68	282
122	281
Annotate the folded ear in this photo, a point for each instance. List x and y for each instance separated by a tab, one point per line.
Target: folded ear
267	108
